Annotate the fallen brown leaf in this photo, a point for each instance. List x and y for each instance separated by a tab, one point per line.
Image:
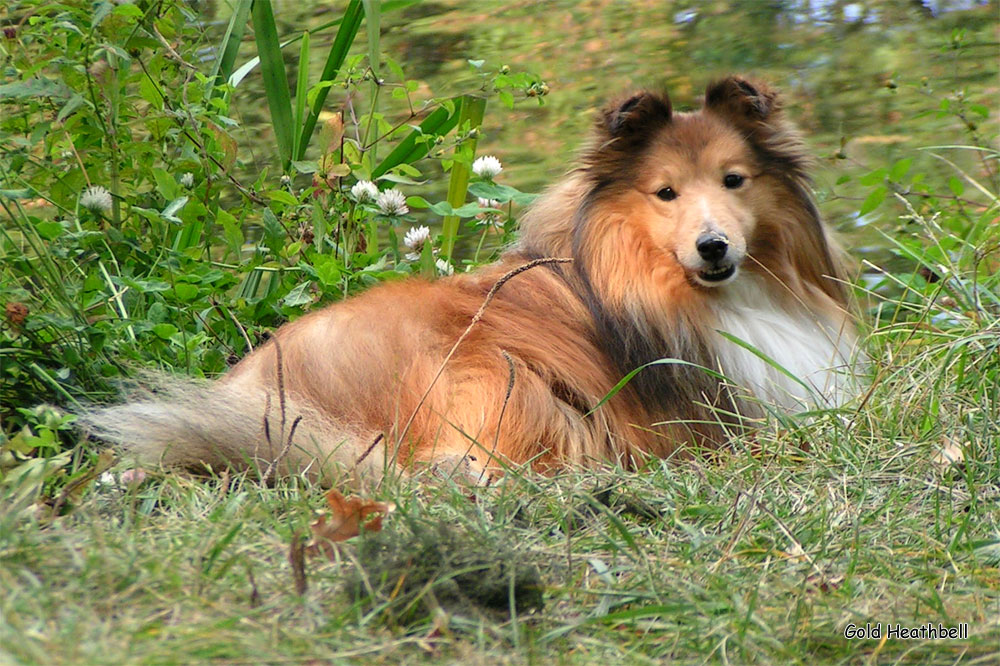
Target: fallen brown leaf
345	518
950	453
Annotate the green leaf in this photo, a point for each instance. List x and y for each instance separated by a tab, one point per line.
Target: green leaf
328	270
900	169
301	91
165	331
170	212
417	202
142	286
874	200
298	296
373	24
402	180
101	12
49	230
501	193
17	194
485	190
282	197
231	42
980	110
303	166
956	186
74	103
128	10
166	186
34	88
439	122
873	178
349	25
185	292
231	231
274	233
442	208
272	68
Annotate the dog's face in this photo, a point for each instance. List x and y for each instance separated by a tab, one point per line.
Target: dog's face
705	189
696	181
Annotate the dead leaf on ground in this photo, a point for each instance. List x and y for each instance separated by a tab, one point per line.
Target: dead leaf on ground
345	518
821	583
950	453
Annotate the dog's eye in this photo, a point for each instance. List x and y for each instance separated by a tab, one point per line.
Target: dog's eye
733	181
667	194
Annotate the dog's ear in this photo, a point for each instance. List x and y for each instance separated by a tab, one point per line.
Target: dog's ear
637	115
741	101
756	110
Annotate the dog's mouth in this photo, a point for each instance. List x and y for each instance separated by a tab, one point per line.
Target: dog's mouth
716	274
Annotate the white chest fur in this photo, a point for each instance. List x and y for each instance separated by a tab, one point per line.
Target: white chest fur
811	347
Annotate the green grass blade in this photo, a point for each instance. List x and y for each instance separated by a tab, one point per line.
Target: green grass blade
237	77
663	361
373	21
349	25
408	151
301	90
231	43
767	359
471	117
275	82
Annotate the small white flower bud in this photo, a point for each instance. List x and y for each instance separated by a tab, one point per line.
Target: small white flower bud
97	199
364	190
487	166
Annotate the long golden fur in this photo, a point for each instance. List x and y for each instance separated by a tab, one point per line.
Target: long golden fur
368	382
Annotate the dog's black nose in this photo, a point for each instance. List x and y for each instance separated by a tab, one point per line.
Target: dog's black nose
712	247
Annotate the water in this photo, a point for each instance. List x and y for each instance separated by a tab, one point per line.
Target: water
863	80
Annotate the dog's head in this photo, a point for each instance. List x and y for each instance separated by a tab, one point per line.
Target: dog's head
702	187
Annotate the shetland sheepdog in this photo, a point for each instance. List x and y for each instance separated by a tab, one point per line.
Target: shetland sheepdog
684	243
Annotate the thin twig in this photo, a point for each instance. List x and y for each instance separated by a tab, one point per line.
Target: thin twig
280	369
511	378
368	451
237	324
284	451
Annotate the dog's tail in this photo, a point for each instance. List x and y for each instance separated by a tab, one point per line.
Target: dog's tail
194	424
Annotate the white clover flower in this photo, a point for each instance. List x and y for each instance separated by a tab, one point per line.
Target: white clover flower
444	268
487	166
364	190
187	179
488	203
97	199
415	239
392	202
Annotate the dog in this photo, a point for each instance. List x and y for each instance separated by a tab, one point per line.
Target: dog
686	244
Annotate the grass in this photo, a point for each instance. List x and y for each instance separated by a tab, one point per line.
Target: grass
738	557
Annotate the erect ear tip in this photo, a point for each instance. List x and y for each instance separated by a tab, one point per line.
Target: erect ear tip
736	93
641	110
